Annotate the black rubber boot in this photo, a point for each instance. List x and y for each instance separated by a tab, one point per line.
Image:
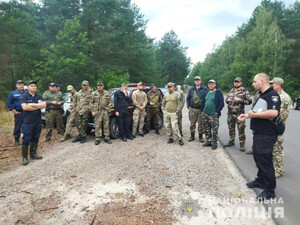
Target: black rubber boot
17	143
192	138
201	138
24	154
33	148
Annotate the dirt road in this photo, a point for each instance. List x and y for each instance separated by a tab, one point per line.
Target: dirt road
144	181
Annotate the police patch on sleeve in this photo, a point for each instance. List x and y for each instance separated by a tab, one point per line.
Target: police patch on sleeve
275	99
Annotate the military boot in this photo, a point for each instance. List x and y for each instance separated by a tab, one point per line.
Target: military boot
33	148
242	147
192	138
229	144
201	138
17	143
181	133
24	154
65	137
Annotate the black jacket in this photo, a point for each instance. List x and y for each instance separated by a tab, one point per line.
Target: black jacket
121	102
189	99
219	101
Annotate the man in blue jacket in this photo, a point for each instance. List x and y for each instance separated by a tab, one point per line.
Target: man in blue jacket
213	103
14	105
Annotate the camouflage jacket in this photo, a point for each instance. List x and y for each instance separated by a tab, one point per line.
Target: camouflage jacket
101	101
181	98
73	102
171	102
155	98
237	99
285	106
50	97
84	99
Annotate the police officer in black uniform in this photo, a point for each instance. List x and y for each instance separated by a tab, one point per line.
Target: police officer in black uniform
32	103
263	113
14	105
121	102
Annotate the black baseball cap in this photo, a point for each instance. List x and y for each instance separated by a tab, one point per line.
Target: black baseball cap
19	82
31	82
52	84
58	85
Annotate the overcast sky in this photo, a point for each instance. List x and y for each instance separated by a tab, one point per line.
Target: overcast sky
199	24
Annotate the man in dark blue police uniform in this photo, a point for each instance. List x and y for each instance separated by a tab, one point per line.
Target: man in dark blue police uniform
32	103
263	113
14	105
121	102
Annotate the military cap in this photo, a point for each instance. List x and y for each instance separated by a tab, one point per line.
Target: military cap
211	81
30	82
52	84
175	84
58	85
70	88
238	79
19	82
100	83
85	82
197	78
140	83
151	85
170	84
277	80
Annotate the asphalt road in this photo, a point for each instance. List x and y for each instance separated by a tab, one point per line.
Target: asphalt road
288	186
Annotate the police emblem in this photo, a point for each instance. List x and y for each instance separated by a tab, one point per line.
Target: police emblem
275	99
190	207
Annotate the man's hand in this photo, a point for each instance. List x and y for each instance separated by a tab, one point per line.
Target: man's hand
54	102
151	103
58	103
242	117
117	114
251	114
141	108
15	111
93	114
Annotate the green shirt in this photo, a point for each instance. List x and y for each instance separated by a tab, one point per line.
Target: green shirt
210	105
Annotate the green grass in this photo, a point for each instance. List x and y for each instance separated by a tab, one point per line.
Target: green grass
6	118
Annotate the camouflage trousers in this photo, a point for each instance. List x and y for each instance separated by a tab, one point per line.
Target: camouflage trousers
211	126
138	120
278	155
232	121
195	117
82	123
152	112
171	125
70	122
52	117
102	118
179	115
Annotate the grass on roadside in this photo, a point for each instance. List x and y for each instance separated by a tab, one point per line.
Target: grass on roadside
6	118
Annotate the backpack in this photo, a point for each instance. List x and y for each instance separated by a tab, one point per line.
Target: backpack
280	127
196	100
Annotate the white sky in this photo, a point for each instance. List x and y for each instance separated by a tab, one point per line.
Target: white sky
199	24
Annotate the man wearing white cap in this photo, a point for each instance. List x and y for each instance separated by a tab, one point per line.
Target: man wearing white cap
213	103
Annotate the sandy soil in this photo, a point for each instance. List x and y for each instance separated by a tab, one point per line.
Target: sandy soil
144	181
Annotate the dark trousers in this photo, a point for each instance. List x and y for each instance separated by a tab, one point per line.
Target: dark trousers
18	124
262	154
123	124
31	132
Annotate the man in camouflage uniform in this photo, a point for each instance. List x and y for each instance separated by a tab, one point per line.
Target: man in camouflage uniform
194	102
72	112
236	99
171	105
152	108
278	154
54	111
84	99
179	114
100	106
212	105
139	99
